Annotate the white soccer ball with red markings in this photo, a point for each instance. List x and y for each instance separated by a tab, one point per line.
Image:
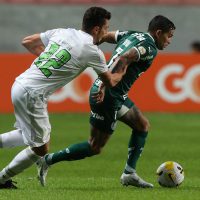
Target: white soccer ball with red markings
170	174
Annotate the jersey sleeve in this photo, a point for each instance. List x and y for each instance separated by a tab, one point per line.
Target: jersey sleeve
98	62
45	36
120	34
146	52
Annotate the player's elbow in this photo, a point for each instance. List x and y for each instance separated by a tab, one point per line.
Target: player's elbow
25	42
109	79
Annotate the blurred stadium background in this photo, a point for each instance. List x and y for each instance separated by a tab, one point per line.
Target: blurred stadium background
170	97
173	82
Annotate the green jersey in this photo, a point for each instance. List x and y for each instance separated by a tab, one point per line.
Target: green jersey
146	48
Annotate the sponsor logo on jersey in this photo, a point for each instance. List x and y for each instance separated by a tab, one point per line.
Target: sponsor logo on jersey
97	116
125	96
147	58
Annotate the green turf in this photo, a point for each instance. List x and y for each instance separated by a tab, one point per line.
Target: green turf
172	137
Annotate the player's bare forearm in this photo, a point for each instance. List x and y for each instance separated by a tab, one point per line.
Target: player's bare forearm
121	66
125	60
112	79
33	44
109	38
37	51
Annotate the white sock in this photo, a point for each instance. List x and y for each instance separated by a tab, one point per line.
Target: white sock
22	161
11	139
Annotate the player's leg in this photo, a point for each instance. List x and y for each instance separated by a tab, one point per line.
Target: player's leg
29	125
74	152
80	150
21	161
102	123
139	125
101	129
11	139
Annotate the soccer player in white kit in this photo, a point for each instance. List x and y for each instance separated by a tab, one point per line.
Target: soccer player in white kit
62	55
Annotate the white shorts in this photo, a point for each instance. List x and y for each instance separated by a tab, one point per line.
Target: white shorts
31	116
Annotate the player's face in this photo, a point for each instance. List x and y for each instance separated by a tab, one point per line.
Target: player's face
102	31
164	39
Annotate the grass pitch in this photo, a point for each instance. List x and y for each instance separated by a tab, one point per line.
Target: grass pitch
171	137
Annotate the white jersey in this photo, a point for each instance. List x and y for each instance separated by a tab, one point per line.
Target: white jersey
68	52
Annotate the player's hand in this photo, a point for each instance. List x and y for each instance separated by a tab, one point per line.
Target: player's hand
99	96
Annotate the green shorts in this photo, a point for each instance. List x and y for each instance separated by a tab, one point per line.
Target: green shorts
105	118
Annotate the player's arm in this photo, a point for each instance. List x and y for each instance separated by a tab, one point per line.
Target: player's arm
34	44
110	79
110	37
132	55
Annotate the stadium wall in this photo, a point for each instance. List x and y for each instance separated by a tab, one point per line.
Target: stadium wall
20	20
172	84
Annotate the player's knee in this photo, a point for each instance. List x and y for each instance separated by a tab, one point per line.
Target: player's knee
144	125
42	150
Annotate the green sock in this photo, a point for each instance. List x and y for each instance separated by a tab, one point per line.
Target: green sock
135	148
73	152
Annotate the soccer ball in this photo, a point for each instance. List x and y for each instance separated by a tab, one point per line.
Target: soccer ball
170	174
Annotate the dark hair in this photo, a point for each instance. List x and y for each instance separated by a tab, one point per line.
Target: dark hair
160	22
196	45
94	16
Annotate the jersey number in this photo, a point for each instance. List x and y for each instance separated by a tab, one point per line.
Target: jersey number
53	58
139	36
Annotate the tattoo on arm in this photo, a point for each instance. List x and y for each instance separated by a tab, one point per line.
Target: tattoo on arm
119	66
125	60
132	56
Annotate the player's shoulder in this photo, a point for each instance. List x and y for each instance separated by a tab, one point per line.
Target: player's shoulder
122	34
146	46
148	41
94	50
56	32
71	31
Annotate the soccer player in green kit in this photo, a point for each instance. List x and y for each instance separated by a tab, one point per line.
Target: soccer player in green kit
137	50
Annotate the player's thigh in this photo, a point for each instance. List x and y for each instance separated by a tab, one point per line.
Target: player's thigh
31	117
103	123
103	117
133	117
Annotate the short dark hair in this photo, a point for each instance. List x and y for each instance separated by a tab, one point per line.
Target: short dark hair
160	22
196	45
94	16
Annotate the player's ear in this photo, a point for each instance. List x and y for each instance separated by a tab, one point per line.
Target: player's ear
96	30
158	33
